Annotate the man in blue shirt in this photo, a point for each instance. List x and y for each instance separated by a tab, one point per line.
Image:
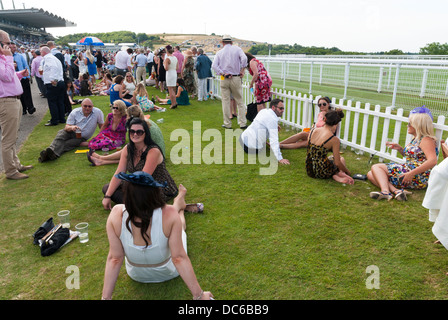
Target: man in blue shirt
26	98
203	67
81	125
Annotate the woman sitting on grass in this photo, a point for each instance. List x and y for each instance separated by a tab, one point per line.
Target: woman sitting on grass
300	140
142	100
321	141
114	158
113	131
421	157
149	235
182	98
118	91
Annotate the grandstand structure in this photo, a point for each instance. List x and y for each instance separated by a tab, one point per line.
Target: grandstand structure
28	26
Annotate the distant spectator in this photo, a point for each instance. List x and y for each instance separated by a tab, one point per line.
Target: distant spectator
203	67
180	60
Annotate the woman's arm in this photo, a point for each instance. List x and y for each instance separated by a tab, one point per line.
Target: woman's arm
116	252
180	258
335	144
114	182
153	159
166	63
254	67
179	91
428	147
105	124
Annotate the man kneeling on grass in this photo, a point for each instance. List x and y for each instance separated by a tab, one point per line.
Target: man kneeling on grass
81	125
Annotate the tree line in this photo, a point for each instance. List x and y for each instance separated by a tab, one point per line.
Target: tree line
113	37
434	48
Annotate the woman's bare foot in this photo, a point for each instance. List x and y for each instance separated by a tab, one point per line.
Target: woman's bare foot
179	201
437	242
95	155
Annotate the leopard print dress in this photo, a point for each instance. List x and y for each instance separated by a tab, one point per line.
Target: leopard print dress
318	164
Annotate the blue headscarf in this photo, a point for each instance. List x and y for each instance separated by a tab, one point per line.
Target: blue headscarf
141	178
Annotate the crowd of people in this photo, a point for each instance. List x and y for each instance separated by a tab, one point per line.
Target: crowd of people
142	186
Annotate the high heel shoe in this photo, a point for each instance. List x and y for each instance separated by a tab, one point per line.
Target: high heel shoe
380	195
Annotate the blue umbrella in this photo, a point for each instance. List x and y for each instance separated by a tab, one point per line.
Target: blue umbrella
90	41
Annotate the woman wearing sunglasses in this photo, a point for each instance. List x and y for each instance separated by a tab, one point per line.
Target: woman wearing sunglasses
113	132
114	158
300	140
140	154
420	155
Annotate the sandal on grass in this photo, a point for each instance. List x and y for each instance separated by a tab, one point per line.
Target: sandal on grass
195	207
380	195
400	195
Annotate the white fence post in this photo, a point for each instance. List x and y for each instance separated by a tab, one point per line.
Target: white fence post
424	81
397	75
346	79
311	79
380	80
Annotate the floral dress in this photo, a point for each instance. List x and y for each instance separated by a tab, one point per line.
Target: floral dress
144	103
317	163
263	84
109	138
414	158
188	76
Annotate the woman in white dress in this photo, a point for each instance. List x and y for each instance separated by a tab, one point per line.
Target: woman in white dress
170	65
436	198
80	62
149	235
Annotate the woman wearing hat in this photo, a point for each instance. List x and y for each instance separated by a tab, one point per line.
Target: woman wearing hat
149	236
421	157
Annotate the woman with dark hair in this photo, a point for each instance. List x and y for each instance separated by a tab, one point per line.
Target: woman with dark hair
140	154
149	236
117	91
261	79
300	140
171	73
182	98
321	141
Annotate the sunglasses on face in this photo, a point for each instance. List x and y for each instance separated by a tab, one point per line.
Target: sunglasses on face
138	132
322	104
114	108
281	108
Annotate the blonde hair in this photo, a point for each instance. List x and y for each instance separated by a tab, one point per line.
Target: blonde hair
134	111
121	107
423	125
140	89
90	56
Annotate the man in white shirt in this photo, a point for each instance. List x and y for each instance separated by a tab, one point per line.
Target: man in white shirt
52	76
149	61
264	126
123	61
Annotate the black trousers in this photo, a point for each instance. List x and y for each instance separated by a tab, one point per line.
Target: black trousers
56	103
26	98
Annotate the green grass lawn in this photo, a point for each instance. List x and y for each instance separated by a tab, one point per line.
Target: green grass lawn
283	236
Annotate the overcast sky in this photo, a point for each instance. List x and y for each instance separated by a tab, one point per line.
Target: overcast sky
350	25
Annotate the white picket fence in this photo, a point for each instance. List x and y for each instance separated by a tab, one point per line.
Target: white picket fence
358	124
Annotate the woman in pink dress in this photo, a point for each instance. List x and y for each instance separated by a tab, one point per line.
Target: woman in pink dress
262	80
113	132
